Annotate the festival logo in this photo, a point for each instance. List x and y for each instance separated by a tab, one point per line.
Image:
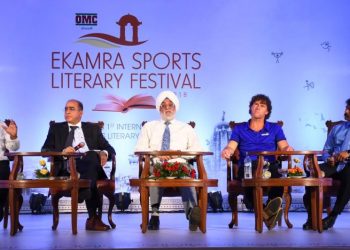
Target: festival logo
103	40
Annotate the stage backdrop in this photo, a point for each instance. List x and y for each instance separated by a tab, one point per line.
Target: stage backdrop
215	55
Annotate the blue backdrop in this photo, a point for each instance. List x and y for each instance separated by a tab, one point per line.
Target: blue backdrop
213	54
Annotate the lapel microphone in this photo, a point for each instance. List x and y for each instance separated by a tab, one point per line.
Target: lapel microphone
80	145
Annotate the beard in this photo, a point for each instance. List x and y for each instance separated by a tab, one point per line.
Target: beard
347	116
167	117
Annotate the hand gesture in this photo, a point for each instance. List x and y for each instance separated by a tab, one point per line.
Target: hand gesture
11	129
226	153
163	158
103	157
342	156
69	149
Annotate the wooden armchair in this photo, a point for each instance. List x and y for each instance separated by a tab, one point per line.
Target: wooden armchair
104	188
334	189
316	184
234	185
15	185
202	183
168	191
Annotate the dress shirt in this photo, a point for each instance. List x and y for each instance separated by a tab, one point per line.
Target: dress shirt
79	137
337	140
6	143
182	137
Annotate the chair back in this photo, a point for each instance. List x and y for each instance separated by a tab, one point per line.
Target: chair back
330	124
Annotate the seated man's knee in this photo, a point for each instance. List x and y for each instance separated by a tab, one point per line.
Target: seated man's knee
92	156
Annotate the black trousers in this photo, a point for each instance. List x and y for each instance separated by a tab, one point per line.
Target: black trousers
4	175
89	167
343	195
273	191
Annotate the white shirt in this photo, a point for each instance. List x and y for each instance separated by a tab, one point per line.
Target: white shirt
79	137
182	137
6	143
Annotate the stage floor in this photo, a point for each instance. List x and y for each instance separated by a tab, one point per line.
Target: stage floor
173	234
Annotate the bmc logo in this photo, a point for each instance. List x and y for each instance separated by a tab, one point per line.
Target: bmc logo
88	19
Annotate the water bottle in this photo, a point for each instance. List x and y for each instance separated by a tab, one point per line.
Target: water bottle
248	167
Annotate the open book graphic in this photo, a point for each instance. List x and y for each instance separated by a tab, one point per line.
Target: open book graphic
118	104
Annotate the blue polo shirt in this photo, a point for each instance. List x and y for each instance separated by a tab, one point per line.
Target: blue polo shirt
263	140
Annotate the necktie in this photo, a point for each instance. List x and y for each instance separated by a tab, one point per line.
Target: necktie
70	138
166	137
69	142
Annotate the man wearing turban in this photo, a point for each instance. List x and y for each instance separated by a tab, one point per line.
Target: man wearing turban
170	134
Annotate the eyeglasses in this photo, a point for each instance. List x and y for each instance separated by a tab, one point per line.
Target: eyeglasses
69	108
167	106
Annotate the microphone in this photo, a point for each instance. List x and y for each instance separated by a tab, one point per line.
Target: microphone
80	145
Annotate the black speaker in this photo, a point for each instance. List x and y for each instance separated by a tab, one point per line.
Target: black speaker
36	202
215	201
122	200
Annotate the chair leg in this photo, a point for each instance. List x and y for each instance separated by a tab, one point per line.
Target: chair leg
100	205
6	214
288	201
74	209
232	200
54	202
111	199
20	203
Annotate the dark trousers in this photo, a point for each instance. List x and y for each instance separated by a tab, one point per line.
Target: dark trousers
4	175
273	191
89	167
343	195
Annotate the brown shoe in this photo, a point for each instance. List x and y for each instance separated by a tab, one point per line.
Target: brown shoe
89	225
272	222
95	224
272	208
99	224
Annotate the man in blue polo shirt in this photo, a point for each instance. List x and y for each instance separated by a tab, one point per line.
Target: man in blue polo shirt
336	166
260	135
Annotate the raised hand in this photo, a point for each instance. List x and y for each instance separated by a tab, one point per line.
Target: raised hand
11	129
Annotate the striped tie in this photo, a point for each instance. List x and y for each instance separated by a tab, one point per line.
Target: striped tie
166	137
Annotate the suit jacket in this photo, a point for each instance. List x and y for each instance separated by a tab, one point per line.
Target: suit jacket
58	134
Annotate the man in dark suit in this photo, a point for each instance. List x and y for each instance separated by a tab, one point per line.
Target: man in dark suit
65	137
